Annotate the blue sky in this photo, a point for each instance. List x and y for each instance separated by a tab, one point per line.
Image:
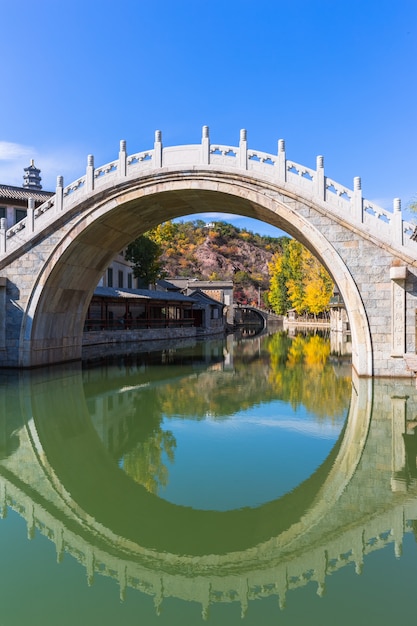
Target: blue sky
331	77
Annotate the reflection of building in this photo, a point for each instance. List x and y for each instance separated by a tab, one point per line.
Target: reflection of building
112	415
339	320
340	335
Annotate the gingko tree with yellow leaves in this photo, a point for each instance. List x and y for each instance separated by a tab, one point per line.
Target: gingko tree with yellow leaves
298	281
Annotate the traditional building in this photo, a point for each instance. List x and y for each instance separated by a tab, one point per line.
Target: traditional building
217	290
117	303
136	309
14	200
13	208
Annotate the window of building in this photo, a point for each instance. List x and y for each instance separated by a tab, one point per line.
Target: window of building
120	279
129	281
20	214
2	211
109	277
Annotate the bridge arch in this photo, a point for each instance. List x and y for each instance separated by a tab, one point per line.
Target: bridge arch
66	281
69	242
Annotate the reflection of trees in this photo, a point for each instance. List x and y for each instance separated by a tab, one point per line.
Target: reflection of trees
272	368
302	375
144	462
294	370
143	457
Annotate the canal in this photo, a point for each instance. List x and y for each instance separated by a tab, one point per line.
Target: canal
239	481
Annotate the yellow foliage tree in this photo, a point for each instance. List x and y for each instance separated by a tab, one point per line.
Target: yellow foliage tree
299	281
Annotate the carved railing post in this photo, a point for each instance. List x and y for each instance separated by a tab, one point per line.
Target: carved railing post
281	586
3	497
243	150
397	222
320	179
3	226
397	531
122	577
357	203
122	158
59	194
157	149
282	161
398	275
89	565
89	174
30	216
399	460
205	146
59	542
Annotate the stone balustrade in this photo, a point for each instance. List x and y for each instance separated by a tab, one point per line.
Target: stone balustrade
291	177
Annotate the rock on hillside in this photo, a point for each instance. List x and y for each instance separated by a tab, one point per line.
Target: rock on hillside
225	261
218	251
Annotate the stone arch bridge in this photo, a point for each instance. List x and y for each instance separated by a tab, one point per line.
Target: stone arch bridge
246	314
51	261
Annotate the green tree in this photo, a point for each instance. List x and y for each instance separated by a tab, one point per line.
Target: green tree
299	281
279	273
145	256
412	206
163	233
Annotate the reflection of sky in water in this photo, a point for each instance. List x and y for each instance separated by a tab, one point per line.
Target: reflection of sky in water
250	458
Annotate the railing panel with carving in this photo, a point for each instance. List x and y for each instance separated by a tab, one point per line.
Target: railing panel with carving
301	176
262	162
224	155
75	186
139	163
102	173
310	183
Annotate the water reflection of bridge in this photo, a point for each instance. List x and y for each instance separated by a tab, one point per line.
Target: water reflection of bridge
365	498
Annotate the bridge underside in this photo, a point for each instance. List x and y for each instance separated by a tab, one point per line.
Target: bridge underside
45	310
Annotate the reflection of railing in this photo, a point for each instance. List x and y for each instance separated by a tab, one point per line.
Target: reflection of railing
352	526
313	565
136	324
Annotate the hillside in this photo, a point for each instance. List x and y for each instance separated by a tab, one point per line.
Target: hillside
217	251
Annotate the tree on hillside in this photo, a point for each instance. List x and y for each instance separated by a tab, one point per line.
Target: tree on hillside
412	205
278	298
298	281
145	256
219	251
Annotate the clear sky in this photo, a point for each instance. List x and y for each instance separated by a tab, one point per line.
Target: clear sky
332	77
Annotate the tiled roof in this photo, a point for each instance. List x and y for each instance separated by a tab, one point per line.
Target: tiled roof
167	286
143	294
8	192
203	296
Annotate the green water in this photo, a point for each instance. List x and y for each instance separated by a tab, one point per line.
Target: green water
229	482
